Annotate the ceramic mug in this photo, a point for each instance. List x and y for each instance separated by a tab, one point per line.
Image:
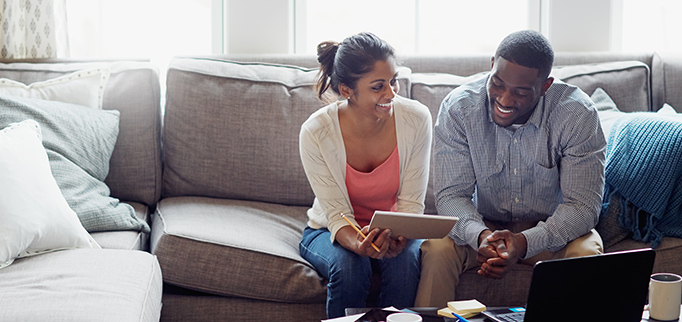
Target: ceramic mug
404	317
665	296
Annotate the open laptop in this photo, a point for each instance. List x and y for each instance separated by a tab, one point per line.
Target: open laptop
608	287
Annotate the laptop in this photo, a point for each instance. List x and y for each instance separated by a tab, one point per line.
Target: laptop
608	287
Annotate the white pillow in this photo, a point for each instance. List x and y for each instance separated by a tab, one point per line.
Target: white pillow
85	87
667	110
35	216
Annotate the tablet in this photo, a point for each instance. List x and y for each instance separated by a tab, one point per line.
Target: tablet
413	226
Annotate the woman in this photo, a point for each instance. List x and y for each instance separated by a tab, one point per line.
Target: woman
369	151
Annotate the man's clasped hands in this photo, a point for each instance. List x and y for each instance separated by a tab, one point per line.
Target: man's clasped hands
498	251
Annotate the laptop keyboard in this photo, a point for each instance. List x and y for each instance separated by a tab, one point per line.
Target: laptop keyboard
511	317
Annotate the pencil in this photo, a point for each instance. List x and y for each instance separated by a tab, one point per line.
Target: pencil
359	232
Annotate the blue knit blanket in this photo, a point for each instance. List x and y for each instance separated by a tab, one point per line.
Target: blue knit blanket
644	168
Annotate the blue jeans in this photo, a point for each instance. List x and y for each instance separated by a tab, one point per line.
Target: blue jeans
349	274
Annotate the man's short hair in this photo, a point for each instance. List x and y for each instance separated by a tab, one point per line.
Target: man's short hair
528	48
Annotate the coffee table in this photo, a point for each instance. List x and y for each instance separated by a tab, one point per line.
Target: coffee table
429	314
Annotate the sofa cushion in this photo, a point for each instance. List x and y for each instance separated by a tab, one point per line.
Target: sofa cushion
231	130
628	82
235	248
79	141
126	239
667	79
133	89
82	285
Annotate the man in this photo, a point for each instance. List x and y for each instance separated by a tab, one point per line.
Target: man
519	158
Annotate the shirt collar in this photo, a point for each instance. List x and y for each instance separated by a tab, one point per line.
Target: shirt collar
536	117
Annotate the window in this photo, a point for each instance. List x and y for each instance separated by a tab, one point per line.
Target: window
156	29
161	29
651	25
415	26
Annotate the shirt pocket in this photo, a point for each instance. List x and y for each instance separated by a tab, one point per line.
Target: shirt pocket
546	186
492	190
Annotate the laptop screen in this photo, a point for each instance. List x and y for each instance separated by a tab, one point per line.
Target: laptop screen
608	287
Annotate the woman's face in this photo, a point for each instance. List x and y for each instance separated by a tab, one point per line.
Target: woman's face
375	91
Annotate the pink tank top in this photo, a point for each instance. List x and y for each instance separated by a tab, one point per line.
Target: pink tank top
376	190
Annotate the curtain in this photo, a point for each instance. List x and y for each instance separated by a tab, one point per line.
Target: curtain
32	29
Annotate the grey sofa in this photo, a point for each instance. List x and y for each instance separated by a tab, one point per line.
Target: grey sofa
216	173
122	281
234	200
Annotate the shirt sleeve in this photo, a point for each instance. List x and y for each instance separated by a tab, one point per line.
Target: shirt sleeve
318	158
454	178
417	126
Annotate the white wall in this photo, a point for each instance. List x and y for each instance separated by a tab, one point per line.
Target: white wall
259	26
579	25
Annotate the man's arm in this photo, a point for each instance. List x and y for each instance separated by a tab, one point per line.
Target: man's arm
581	178
454	177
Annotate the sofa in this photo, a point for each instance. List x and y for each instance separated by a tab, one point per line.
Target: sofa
122	280
234	200
215	171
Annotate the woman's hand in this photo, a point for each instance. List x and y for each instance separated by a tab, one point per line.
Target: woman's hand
396	247
352	240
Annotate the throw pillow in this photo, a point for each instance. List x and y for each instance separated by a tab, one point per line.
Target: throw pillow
35	216
85	87
667	110
607	110
79	141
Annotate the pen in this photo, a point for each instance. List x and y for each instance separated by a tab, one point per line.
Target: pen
459	318
359	232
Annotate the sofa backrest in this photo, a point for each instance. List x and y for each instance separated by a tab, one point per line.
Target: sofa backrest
133	89
667	83
231	128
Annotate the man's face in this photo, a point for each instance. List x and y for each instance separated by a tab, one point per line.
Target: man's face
514	91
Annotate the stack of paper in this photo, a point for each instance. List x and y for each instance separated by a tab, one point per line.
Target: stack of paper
465	309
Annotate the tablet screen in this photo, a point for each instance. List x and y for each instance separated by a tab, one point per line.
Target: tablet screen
413	226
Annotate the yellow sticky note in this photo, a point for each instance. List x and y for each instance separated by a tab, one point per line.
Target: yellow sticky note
466	306
446	312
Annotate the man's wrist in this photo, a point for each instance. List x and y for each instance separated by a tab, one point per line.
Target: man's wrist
523	243
483	235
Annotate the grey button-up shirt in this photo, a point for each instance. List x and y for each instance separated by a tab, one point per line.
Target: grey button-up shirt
549	170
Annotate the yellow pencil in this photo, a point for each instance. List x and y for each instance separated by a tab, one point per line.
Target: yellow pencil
359	232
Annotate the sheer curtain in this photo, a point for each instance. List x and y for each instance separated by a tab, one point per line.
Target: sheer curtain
32	29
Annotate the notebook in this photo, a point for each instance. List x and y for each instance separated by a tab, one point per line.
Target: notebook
608	287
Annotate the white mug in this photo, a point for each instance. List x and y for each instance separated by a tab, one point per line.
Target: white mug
665	296
404	317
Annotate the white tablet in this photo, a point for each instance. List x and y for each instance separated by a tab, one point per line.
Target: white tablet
413	226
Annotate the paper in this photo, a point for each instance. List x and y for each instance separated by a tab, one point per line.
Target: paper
354	317
466	306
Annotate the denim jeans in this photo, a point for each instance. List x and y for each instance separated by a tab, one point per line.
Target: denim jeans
349	274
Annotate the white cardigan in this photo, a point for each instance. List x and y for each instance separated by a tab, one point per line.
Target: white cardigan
324	160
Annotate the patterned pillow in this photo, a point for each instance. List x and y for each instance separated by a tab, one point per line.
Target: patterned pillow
84	87
79	141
